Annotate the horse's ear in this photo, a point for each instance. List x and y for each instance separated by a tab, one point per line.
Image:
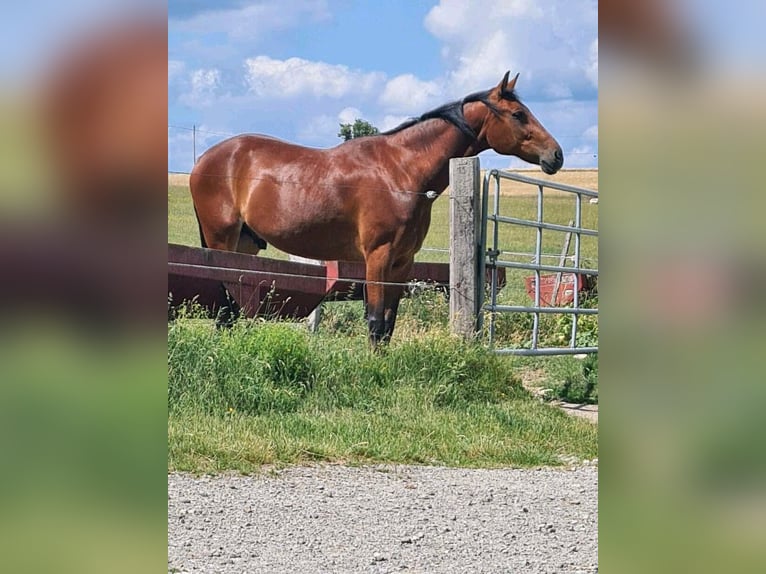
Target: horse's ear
504	82
510	87
504	86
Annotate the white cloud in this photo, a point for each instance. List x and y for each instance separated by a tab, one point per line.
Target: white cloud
250	23
591	133
548	41
406	93
203	87
516	9
322	130
482	64
267	77
204	80
319	131
451	18
349	115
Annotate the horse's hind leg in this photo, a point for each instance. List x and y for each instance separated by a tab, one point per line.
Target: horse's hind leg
220	223
234	237
249	241
229	311
225	238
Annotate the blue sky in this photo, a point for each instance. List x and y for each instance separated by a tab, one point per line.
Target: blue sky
295	69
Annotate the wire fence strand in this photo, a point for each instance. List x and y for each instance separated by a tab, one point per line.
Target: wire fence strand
243	272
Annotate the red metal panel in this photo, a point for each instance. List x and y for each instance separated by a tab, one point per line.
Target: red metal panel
262	286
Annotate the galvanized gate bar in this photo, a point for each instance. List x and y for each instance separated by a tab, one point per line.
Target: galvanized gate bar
492	253
547	351
544	183
551	268
543	225
548	310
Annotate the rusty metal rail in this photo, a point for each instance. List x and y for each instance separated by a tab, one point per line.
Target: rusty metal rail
269	287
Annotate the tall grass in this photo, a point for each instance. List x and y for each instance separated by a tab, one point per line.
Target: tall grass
271	393
258	368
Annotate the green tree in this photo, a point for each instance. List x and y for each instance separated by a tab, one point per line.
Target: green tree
356	130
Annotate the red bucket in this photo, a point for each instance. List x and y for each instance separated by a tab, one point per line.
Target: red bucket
568	282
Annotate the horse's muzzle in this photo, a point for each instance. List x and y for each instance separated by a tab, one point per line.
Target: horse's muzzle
553	161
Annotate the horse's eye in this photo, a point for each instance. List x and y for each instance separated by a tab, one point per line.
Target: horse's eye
518	116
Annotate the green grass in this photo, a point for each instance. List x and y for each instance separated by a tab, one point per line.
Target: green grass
270	393
182	224
568	378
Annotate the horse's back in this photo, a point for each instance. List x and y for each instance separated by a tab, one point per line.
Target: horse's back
289	194
257	149
221	167
253	179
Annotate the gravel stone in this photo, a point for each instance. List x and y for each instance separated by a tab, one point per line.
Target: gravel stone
385	519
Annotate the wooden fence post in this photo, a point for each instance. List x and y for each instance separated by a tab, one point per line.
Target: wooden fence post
465	213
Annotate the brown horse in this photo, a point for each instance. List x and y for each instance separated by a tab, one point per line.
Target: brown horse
364	200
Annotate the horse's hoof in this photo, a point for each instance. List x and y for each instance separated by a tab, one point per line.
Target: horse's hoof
377	332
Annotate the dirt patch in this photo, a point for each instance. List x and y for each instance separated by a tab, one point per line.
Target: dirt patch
533	379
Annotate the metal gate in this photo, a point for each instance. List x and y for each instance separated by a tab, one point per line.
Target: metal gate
544	286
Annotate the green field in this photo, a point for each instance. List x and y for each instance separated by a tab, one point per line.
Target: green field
268	392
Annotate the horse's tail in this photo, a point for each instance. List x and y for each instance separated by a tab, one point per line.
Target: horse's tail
199	226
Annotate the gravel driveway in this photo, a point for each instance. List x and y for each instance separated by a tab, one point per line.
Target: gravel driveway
385	519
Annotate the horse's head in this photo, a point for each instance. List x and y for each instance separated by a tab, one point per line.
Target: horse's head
511	129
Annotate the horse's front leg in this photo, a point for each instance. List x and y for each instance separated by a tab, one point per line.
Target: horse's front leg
391	308
378	270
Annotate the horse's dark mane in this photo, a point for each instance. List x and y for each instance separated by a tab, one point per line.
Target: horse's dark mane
453	112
